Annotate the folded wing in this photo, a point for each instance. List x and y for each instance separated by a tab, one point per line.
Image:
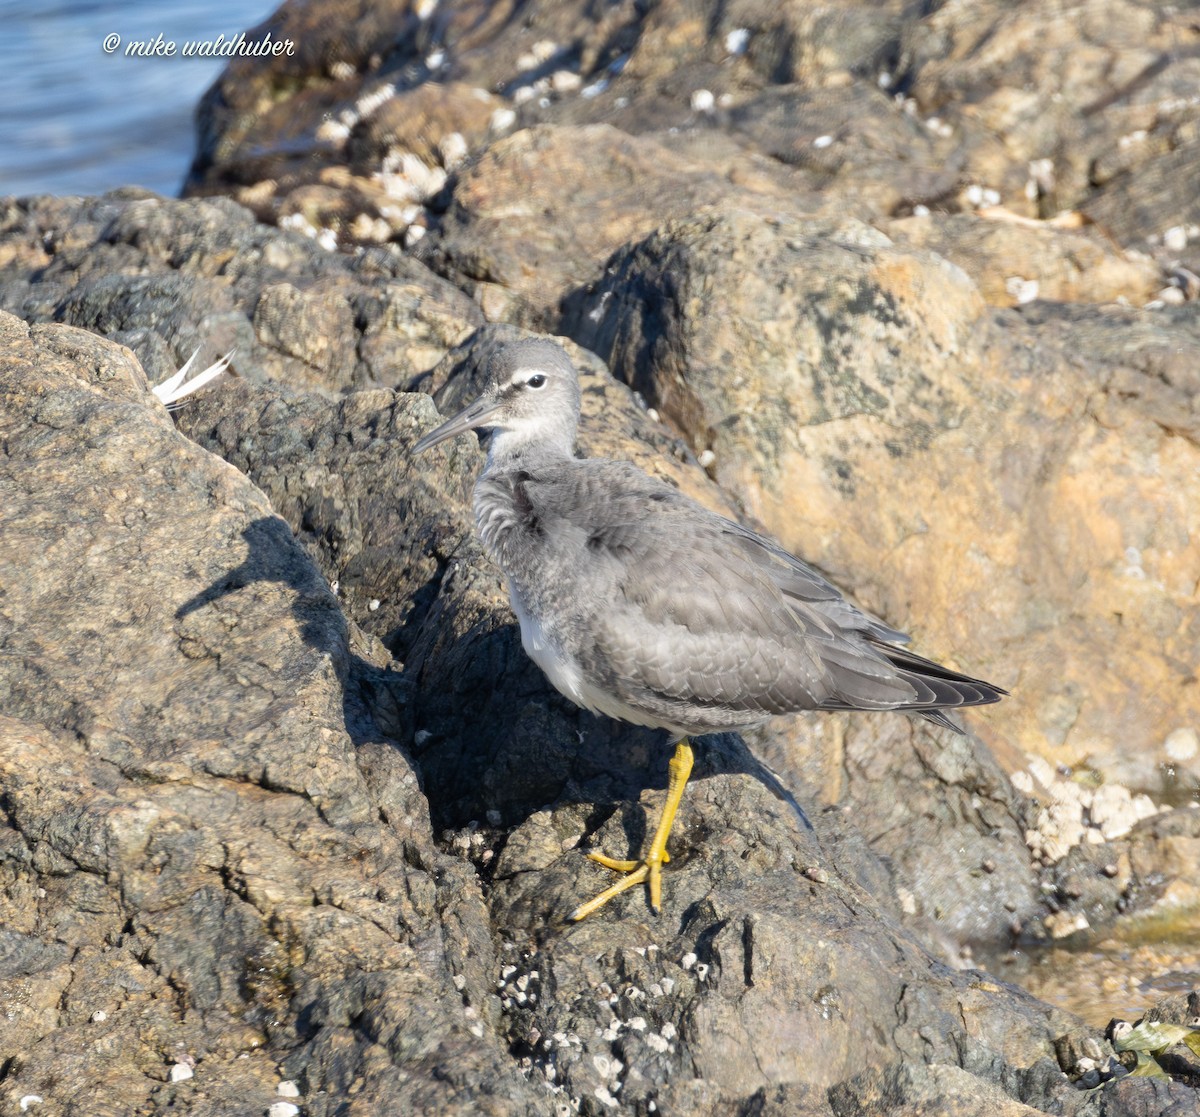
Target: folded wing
700	613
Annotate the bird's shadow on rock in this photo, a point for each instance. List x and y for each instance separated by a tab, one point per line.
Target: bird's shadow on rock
524	783
495	747
374	696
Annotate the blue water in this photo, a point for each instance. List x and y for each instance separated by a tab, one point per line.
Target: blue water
75	120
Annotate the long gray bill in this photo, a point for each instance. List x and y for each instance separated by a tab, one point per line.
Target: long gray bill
468	418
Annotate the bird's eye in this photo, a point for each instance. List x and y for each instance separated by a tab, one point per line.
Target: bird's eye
537	380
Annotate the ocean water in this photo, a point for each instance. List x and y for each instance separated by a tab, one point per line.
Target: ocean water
75	119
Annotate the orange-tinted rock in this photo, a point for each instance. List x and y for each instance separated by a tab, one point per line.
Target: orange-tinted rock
1014	488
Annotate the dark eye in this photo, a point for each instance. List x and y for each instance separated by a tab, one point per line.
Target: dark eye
537	380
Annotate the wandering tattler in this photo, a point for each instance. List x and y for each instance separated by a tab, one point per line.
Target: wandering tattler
639	603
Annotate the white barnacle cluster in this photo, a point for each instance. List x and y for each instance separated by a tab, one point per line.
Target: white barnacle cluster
336	130
593	1067
557	82
297	223
407	181
1071	813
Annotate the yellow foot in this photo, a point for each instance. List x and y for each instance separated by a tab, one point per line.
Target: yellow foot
649	869
637	872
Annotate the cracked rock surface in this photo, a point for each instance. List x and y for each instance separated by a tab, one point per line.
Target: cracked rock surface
251	836
285	811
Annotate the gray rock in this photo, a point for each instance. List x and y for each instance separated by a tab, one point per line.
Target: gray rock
164	277
903	1087
853	140
491	735
207	839
208	781
257	828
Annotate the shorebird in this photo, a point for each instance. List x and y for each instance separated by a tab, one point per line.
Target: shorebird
642	605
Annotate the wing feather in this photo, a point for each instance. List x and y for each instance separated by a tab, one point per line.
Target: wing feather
701	612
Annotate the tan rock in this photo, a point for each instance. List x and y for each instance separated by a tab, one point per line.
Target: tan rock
538	213
1013	489
1066	265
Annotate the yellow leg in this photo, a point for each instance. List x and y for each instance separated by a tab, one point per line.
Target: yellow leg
649	869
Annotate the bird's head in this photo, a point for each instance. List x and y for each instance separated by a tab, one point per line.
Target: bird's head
531	399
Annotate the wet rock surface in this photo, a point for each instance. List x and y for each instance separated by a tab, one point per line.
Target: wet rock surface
287	814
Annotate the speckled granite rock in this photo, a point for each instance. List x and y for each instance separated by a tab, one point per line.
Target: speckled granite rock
166	276
210	853
190	760
856	107
1014	485
204	754
931	127
335	834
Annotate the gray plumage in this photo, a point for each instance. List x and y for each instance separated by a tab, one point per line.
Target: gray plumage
640	604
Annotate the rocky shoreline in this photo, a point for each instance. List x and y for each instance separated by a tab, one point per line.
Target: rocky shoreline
289	819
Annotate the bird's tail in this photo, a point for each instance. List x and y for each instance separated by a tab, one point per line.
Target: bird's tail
950	689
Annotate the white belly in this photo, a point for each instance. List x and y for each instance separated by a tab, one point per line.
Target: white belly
565	674
562	670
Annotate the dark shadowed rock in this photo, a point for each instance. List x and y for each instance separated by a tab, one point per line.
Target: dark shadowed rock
936	810
948	1091
165	277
